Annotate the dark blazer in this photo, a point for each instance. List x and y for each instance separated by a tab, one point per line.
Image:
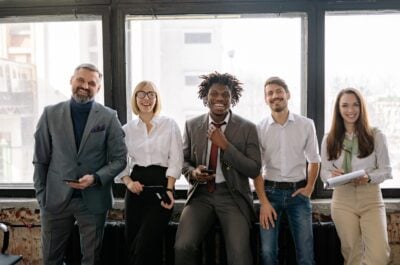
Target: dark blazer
102	151
239	162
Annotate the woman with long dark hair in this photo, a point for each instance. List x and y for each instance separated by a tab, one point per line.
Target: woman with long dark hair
357	207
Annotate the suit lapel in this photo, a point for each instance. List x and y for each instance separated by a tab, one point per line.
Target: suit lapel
91	122
69	127
230	132
203	140
231	127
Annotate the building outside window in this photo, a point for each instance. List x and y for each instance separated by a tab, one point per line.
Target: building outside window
370	62
37	60
207	44
197	38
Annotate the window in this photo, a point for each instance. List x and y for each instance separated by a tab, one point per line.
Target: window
192	80
368	61
174	42
37	60
152	47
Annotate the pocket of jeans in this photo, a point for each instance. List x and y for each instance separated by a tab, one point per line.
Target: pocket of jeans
303	197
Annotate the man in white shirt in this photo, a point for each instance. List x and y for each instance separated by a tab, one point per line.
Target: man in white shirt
287	142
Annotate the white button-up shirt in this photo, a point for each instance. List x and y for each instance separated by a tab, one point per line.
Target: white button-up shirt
162	146
286	148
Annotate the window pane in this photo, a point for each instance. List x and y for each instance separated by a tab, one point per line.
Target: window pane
197	38
253	49
369	61
36	63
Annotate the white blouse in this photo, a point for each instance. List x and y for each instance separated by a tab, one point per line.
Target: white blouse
162	146
376	165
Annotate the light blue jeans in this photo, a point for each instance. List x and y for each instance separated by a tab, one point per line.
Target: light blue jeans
298	211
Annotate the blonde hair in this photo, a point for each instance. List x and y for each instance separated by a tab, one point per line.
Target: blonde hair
139	86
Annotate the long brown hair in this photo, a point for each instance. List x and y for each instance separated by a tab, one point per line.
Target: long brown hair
337	132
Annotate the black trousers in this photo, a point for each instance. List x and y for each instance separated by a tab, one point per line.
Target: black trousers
146	220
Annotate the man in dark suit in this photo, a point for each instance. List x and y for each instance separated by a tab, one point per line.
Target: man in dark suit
221	192
79	149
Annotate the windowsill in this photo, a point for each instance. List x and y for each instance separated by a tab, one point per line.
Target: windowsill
321	206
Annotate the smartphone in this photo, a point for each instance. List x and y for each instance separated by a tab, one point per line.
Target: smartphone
71	180
162	195
159	191
208	171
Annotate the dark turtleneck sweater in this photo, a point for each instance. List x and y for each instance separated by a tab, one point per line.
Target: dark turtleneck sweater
79	114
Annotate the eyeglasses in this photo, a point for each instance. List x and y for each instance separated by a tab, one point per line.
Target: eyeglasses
143	94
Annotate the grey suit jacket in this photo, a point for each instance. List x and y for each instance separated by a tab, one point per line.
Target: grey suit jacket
102	151
239	162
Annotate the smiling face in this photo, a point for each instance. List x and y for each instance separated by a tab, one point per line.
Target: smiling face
276	97
85	84
146	101
219	101
349	108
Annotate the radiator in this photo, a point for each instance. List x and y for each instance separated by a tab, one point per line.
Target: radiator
326	246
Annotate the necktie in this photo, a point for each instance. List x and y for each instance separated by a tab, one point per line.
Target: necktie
212	164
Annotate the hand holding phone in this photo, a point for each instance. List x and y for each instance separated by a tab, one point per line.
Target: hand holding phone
71	180
162	195
160	192
208	171
202	174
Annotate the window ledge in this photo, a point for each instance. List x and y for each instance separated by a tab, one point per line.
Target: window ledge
321	206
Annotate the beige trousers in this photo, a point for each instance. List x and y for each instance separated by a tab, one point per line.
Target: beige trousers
360	219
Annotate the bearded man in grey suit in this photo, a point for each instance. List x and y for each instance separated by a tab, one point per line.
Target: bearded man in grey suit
79	149
219	190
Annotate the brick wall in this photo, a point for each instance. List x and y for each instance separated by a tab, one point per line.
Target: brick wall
25	231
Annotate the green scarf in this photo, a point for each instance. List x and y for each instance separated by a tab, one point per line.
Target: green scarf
350	148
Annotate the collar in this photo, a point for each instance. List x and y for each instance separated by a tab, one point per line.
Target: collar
81	106
210	120
154	121
272	121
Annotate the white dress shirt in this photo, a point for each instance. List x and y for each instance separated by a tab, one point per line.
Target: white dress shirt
162	146
376	165
286	148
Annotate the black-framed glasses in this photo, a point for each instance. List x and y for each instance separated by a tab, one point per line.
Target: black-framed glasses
143	94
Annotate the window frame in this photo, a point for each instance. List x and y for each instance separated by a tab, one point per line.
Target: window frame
322	9
219	9
113	13
36	14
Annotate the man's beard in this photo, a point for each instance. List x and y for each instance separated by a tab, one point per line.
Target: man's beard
278	108
82	99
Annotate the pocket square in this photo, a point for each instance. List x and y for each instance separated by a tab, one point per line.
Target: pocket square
98	128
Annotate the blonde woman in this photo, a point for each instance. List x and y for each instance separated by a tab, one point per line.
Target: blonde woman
155	159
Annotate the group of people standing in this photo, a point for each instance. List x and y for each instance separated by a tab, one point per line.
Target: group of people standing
81	148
